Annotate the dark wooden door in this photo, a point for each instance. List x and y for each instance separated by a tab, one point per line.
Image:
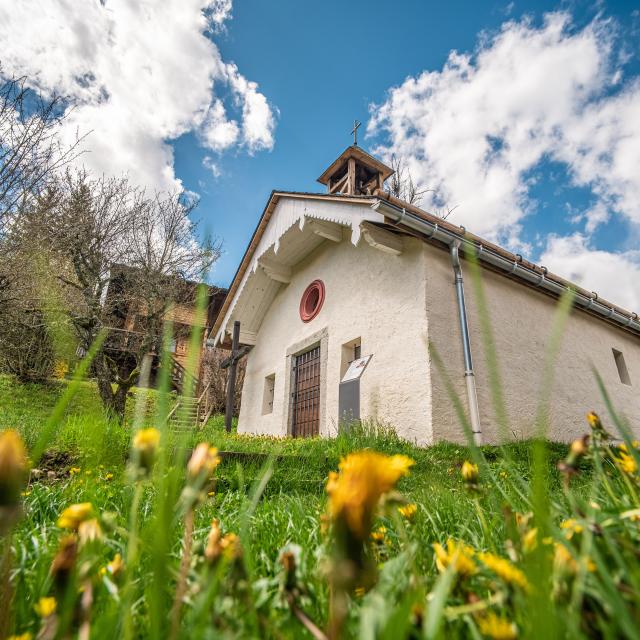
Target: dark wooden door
306	394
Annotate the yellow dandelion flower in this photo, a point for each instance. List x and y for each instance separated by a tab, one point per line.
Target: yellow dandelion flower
108	477
145	446
113	568
457	554
469	472
626	463
579	446
363	478
230	546
74	471
46	607
504	569
497	627
13	467
571	527
73	516
408	511
22	636
379	534
530	540
212	550
204	460
503	475
594	420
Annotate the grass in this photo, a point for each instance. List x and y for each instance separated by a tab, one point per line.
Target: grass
272	494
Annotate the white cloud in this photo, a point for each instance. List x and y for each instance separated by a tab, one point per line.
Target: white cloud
211	165
140	75
476	130
614	276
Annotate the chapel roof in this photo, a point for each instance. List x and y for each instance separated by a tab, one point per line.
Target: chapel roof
459	231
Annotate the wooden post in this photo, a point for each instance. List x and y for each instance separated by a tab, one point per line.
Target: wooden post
231	382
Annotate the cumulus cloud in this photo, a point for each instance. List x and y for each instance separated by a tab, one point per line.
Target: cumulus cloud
137	75
615	276
476	130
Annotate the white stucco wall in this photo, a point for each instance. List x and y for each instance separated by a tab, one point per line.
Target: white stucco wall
371	295
522	318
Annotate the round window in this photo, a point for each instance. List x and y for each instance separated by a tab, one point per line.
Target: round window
312	300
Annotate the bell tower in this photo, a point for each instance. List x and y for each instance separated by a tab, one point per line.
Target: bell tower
355	172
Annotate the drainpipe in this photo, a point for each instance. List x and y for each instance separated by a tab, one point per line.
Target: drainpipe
469	375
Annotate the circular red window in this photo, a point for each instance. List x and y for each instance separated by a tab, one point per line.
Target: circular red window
312	300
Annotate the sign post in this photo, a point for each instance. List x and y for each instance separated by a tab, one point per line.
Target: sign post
349	391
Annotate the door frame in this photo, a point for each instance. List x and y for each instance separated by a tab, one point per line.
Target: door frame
319	338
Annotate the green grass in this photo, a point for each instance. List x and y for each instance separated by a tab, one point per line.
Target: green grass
272	494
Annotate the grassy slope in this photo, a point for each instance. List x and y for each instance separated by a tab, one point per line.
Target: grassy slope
289	512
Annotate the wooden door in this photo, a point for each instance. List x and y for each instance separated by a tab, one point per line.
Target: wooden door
306	394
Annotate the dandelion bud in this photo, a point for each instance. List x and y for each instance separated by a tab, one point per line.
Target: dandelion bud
579	446
89	531
145	447
594	421
470	473
203	461
72	517
64	560
46	607
212	550
13	468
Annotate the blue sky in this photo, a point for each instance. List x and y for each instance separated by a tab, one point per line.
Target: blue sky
232	100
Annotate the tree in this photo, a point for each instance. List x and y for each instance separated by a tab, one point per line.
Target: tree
401	185
31	151
129	254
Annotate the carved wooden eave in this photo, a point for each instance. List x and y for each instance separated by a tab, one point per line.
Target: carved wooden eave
381	239
292	226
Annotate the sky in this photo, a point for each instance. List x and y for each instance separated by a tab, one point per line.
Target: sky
522	117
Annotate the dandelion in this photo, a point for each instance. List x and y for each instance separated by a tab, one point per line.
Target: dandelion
594	421
73	516
74	471
46	607
108	477
13	467
354	492
145	447
469	472
505	570
503	475
408	511
212	550
113	568
579	447
571	527
204	460
379	534
457	554
231	547
530	540
22	636
626	463
497	627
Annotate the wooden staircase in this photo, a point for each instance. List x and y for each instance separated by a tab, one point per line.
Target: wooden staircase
190	413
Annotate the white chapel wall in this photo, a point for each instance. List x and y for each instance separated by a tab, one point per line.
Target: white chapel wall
522	319
370	295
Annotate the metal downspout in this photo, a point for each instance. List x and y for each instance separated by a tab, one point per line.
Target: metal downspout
469	376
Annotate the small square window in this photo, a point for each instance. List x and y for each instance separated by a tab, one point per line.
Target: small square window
267	398
621	365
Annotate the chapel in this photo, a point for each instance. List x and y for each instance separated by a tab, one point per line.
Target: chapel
352	304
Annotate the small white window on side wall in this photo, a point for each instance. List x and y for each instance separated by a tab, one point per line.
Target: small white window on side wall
621	365
267	398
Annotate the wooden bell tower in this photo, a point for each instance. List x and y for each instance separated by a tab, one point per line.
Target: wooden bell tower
355	172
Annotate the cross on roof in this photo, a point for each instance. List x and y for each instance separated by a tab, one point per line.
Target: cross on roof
356	124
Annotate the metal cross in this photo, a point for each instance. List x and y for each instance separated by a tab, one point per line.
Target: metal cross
356	124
